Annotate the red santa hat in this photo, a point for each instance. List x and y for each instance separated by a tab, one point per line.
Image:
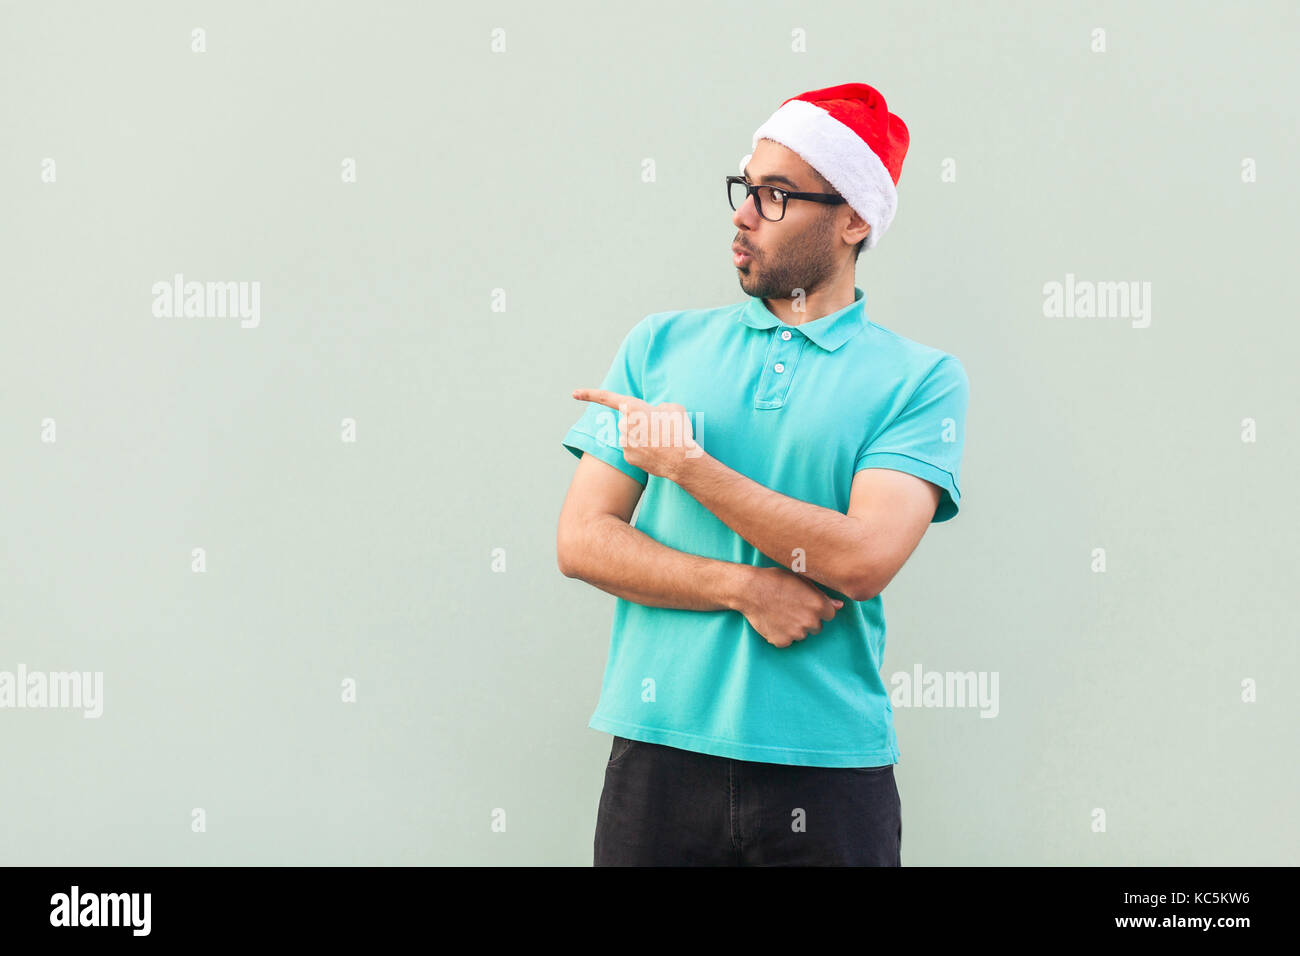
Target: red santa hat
849	136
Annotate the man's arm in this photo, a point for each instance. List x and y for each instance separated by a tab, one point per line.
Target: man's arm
596	543
856	554
823	544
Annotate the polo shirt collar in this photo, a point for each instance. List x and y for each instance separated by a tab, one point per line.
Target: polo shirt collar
830	331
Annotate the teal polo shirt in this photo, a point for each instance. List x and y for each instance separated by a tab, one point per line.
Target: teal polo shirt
799	409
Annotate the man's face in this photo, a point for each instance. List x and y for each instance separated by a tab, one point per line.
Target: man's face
799	251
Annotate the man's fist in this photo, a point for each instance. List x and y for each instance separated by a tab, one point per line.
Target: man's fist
785	607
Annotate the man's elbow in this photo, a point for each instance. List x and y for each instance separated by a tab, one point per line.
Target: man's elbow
568	550
565	558
864	585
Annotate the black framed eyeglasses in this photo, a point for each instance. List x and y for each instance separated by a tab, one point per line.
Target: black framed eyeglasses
771	198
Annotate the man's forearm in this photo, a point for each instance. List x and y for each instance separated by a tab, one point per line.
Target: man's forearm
615	557
817	542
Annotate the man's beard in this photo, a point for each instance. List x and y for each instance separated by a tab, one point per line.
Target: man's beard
804	262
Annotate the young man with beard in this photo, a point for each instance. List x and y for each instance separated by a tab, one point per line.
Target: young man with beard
743	688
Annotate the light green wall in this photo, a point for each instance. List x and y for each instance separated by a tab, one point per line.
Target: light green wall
522	170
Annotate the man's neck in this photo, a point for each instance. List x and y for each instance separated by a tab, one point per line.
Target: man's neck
822	302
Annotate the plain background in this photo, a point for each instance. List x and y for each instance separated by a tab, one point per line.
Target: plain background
522	171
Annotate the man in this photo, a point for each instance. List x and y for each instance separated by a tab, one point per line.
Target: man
743	689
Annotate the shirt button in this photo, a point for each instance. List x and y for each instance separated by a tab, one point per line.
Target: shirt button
780	367
786	335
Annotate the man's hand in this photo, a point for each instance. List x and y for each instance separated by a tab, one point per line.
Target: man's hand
654	438
783	606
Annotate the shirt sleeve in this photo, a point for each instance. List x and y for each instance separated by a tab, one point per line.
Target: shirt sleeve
925	438
596	432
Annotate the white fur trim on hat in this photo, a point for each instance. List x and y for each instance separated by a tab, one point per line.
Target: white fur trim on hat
841	156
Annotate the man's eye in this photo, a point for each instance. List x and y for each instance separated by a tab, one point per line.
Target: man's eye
778	195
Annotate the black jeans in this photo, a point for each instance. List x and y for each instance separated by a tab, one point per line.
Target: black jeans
663	806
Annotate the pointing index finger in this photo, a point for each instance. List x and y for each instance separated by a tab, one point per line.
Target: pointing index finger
604	397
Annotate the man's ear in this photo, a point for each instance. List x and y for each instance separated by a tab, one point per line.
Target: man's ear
856	230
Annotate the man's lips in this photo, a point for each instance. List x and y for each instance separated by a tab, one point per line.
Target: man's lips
740	255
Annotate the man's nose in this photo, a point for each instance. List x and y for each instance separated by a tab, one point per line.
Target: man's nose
746	215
